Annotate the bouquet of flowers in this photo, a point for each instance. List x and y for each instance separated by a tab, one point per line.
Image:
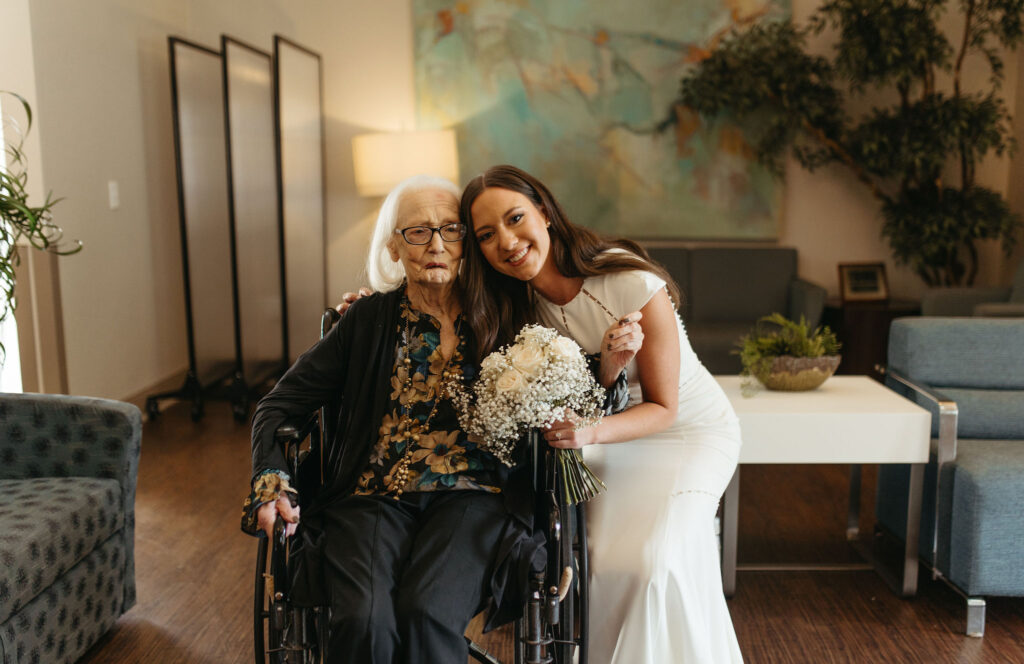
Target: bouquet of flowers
540	379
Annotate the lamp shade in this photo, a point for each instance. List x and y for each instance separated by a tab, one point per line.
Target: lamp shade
383	160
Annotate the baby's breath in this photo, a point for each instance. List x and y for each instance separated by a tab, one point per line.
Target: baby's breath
539	379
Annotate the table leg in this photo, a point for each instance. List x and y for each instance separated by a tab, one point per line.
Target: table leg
853	515
914	498
730	528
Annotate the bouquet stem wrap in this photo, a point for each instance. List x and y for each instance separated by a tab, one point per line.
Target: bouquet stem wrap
579	483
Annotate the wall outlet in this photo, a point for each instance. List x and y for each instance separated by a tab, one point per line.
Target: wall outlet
114	194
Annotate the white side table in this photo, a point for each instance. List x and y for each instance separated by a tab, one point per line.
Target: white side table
848	420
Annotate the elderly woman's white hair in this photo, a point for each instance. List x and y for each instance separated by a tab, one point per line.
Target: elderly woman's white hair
385	274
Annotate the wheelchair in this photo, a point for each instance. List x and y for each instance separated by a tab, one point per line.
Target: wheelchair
554	623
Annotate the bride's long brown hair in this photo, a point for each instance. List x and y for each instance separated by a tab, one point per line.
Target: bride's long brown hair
496	305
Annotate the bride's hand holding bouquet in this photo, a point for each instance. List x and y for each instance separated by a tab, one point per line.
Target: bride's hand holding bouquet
540	382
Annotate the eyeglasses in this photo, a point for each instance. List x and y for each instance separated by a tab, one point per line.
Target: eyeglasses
424	234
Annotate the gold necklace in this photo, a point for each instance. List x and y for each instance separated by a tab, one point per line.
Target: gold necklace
400	472
591	296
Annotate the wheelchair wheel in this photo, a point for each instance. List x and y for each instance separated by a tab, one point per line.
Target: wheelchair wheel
571	631
554	630
283	634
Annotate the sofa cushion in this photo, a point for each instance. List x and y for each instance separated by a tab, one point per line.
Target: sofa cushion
61	623
714	344
984	533
982	413
979	504
47	525
987	413
739	284
676	260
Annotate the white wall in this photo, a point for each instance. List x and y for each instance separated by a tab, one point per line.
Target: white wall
17	74
102	96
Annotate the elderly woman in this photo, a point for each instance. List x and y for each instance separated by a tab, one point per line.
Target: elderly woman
407	526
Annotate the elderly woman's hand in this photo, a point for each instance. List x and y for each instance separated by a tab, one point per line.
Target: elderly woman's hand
266	515
619	346
348	298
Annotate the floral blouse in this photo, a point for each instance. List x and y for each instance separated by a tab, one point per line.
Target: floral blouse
442	457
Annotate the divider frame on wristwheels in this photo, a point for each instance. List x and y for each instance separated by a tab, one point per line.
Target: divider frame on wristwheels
555	618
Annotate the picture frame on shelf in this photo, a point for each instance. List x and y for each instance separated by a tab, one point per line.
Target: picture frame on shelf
863	282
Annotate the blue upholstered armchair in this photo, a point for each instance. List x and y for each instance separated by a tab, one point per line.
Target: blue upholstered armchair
970	373
68	467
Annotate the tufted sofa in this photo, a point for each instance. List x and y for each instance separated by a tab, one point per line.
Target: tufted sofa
970	373
727	288
68	467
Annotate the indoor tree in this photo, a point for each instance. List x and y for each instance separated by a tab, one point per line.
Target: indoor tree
918	154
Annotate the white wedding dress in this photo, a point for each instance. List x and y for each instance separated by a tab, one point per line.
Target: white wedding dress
656	583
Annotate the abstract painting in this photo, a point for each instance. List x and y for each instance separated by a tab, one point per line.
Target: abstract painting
577	92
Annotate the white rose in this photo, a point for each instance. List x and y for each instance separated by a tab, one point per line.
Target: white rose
531	335
564	348
527	358
491	362
510	381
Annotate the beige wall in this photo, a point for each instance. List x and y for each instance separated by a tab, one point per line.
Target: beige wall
831	218
103	99
38	314
103	106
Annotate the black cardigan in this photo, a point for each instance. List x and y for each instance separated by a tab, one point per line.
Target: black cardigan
352	365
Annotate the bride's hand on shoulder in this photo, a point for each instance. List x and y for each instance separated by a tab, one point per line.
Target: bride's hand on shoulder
619	346
348	298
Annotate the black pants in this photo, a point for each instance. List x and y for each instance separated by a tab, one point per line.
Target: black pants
406	576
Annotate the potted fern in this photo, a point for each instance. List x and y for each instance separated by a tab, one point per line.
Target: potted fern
21	223
787	355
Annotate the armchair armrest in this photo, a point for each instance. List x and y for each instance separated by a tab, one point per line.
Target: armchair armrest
53	435
49	435
806	299
1000	310
959	301
945	446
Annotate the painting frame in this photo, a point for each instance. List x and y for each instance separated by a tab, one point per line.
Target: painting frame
863	282
585	99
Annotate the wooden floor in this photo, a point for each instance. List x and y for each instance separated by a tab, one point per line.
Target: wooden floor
194	568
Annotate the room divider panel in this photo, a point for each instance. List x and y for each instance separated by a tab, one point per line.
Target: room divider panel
197	97
298	102
249	156
253	203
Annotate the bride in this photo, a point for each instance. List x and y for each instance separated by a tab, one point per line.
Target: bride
656	592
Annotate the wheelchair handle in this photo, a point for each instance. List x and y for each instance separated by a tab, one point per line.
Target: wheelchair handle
280	530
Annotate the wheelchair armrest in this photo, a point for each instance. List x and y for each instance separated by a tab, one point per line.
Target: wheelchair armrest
289	434
289	437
